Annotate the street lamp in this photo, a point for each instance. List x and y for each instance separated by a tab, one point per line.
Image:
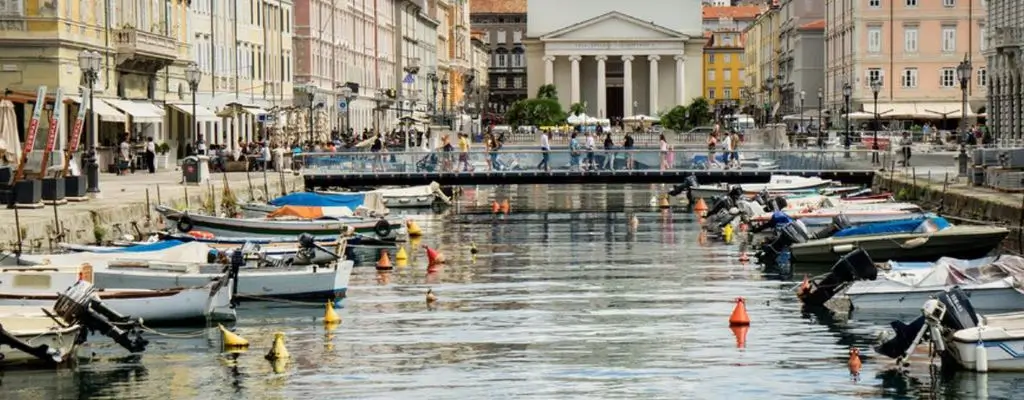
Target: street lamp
768	84
963	72
847	92
876	86
821	123
804	127
444	100
432	76
192	76
90	62
310	90
346	93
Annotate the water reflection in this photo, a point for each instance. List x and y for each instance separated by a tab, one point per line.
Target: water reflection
603	296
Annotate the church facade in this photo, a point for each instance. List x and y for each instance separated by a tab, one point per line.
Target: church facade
618	58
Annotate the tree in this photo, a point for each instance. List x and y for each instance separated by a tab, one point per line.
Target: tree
675	119
700	111
543	110
547	92
577	109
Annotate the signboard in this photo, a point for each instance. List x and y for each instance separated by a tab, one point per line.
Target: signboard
55	118
30	134
76	130
409	78
343	105
265	118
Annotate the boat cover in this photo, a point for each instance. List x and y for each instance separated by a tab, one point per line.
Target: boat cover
303	212
305	199
952	271
175	251
906	225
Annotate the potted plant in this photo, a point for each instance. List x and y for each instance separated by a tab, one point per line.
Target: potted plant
162	150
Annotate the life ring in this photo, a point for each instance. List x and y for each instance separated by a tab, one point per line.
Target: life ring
382	229
185	224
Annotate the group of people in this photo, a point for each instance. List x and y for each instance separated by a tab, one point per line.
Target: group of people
729	143
582	151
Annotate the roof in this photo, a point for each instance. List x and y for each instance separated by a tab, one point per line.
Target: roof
497	7
736	12
818	25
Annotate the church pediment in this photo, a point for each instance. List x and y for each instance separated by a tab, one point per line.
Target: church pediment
613	26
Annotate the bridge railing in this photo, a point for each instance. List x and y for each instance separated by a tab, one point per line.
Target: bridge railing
531	160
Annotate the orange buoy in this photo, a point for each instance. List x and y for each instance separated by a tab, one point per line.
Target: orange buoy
701	207
743	227
741	335
805	287
495	207
200	234
505	206
739	314
854	362
743	254
433	256
384	263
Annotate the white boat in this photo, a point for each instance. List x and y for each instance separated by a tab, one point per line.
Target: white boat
993	283
776	184
253	283
413	196
383	228
38	287
189	252
30	325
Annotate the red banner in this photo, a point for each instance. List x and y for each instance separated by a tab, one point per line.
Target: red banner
76	133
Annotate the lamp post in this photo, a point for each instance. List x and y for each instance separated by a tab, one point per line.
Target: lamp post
876	86
444	101
310	90
432	76
346	93
779	85
847	92
963	72
193	75
90	62
804	127
769	82
821	123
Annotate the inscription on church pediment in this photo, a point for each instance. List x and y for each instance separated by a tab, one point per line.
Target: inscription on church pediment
613	45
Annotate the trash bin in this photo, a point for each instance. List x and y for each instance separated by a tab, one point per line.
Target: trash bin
195	170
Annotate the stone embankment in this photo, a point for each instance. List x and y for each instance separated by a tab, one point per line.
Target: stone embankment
127	200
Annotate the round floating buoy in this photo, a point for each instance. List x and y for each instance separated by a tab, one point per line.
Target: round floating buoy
278	351
701	207
739	314
384	263
231	340
854	362
401	254
413	229
331	316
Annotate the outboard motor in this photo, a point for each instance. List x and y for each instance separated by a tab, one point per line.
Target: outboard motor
862	192
688	183
78	305
953	312
839	222
777	203
854	266
778	218
794	232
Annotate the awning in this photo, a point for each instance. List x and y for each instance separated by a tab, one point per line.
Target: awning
920	110
203	114
140	111
103	110
255	111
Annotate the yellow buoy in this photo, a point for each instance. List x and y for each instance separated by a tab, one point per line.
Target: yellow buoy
402	263
413	229
401	254
331	316
278	351
231	339
663	203
472	248
727	233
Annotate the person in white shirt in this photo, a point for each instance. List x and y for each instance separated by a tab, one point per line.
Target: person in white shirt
727	147
545	147
151	155
590	151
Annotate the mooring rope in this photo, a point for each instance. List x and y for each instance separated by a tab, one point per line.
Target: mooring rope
278	300
190	335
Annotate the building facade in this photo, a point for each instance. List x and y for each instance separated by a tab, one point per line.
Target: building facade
1003	47
913	48
141	66
800	55
338	44
763	41
416	52
481	62
729	17
617	59
243	52
723	67
503	23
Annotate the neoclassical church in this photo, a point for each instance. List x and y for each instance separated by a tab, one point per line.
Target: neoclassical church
621	58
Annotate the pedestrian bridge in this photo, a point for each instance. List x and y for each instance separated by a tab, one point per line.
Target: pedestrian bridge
521	166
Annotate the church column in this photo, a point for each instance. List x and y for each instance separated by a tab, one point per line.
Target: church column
549	70
601	87
653	105
680	79
574	88
627	86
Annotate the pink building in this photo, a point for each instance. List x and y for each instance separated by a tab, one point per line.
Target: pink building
913	47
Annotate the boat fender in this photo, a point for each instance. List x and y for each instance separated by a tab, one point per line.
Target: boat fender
382	228
185	224
980	355
842	249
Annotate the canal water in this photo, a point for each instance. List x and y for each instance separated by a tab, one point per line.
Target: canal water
565	300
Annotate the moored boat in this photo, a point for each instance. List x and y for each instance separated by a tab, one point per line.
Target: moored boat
49	340
776	184
291	225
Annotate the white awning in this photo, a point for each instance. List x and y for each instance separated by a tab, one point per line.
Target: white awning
140	111
103	110
951	110
256	111
203	114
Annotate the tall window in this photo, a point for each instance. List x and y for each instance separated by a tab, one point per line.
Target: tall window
728	76
727	93
949	3
874	74
984	41
875	3
875	39
711	58
982	77
911	3
711	74
727	58
947	77
909	78
948	39
711	94
910	39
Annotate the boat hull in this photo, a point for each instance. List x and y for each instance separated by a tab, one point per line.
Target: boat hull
35	328
1003	355
986	299
284	282
185	305
707	192
890	247
326	228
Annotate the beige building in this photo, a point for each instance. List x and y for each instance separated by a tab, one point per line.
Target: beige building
143	49
453	55
619	59
243	50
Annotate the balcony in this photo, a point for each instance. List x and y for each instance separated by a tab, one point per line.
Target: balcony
144	51
1007	37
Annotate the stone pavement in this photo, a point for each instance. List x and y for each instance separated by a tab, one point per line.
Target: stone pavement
123	199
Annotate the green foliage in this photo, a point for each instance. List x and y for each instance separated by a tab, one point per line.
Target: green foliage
163	148
700	112
544	110
577	109
547	92
675	119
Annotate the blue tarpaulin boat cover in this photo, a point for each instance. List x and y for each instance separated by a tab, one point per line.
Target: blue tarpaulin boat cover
303	199
143	248
898	226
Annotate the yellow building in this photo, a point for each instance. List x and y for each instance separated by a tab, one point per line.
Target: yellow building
723	67
751	63
761	55
142	51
